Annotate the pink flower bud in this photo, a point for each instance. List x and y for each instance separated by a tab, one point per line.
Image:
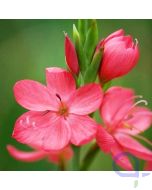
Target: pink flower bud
71	56
120	55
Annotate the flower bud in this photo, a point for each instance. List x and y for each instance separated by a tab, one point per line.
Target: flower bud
120	55
71	56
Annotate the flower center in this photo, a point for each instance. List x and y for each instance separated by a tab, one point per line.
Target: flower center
63	110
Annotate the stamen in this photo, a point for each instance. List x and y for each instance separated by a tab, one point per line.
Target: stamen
127	126
130	110
134	105
141	101
58	96
137	103
63	110
126	101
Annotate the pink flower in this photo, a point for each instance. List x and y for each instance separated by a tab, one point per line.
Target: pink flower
58	112
123	119
38	154
71	56
120	56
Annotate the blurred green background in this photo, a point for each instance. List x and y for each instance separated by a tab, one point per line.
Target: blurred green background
27	47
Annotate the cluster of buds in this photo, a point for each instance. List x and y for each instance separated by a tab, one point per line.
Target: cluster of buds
112	57
60	114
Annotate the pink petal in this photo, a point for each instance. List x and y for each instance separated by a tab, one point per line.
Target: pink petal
141	119
104	139
45	130
34	96
116	104
83	129
71	56
60	82
65	154
134	147
120	158
86	99
115	34
58	135
25	156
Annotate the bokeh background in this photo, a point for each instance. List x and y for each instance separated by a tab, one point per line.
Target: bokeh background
27	47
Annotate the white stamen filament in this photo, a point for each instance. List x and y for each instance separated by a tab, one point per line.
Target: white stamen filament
126	101
141	101
135	104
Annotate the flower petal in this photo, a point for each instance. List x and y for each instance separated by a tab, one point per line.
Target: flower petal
120	157
134	147
71	56
141	119
34	96
60	82
104	139
115	34
26	156
58	135
83	129
86	99
40	129
116	104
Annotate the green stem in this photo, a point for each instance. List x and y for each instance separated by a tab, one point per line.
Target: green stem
76	158
89	157
62	166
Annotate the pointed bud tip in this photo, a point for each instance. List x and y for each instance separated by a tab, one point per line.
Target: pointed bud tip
65	33
136	41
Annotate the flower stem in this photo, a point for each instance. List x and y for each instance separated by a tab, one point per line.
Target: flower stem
76	158
62	166
89	157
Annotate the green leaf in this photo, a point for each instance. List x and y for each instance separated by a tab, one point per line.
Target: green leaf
91	40
79	49
92	71
82	24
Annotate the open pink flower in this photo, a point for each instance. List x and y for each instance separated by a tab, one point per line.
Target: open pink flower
58	112
38	154
120	55
123	119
